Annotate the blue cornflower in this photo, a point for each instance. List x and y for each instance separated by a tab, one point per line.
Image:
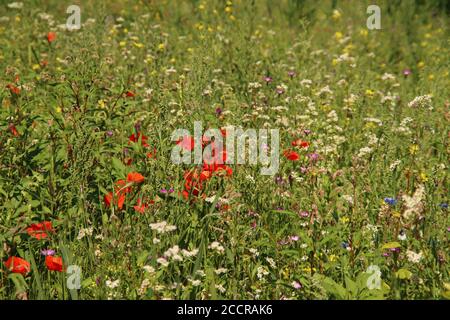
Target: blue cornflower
390	201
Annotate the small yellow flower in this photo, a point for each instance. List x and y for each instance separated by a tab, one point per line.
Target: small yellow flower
101	103
348	48
370	93
344	220
335	62
336	14
338	35
18	19
122	43
58	109
364	32
421	64
36	66
201	7
308	269
138	45
396	214
161	46
173	60
431	77
413	149
228	9
332	258
423	177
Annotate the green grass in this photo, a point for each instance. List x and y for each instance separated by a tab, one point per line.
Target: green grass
183	60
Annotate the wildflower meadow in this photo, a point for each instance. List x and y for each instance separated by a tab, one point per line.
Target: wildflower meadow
208	149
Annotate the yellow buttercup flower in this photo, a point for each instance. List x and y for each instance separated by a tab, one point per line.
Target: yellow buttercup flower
413	149
101	103
396	214
344	220
370	93
338	35
336	14
423	177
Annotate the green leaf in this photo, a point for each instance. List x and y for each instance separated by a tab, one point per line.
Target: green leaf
391	245
119	167
19	282
403	274
142	258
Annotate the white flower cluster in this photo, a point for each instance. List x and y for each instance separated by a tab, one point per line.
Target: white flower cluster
413	256
216	246
162	227
421	102
414	205
85	232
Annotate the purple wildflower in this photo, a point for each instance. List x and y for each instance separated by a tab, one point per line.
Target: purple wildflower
297	285
304	214
48	252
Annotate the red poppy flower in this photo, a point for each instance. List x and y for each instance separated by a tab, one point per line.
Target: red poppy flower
13	89
135	177
291	155
13	130
51	36
120	194
54	263
300	143
135	138
130	94
40	230
141	206
194	181
187	143
17	265
223	169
